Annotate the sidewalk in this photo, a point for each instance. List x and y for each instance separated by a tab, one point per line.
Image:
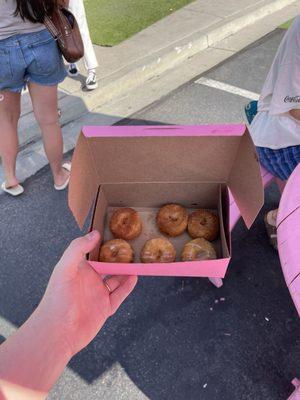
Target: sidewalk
161	47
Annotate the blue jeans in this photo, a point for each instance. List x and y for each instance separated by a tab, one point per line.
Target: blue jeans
31	57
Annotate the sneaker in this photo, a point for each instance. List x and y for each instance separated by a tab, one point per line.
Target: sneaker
91	81
72	70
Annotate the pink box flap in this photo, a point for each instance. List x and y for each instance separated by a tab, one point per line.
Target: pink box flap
163	130
295	293
161	153
210	268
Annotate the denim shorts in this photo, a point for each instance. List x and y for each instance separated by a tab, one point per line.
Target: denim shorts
281	162
30	57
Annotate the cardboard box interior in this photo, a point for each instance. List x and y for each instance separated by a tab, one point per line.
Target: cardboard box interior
147	198
104	156
145	167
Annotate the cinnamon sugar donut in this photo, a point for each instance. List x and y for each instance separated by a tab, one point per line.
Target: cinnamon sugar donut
116	251
172	220
158	250
203	224
197	250
125	223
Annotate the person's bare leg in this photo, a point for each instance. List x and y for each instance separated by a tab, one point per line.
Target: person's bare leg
270	221
272	217
44	101
9	117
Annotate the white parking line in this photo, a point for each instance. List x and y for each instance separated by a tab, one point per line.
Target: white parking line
228	88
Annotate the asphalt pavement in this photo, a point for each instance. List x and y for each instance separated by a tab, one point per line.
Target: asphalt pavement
173	338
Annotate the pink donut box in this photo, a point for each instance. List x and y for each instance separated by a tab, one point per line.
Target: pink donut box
136	155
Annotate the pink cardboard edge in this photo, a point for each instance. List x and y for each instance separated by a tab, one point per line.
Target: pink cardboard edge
204	269
288	245
235	214
294	289
164	130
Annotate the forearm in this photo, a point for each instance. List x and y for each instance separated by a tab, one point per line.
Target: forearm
33	358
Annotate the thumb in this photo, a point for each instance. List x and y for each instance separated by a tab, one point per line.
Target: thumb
78	249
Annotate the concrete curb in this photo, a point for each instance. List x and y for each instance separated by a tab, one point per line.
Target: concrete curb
180	51
167	58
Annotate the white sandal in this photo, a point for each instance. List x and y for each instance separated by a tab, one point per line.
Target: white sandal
67	167
14	190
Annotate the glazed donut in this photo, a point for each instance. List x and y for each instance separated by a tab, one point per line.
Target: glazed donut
197	250
125	223
172	219
158	250
203	224
116	251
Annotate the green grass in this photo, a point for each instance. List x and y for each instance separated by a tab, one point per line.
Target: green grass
287	24
112	21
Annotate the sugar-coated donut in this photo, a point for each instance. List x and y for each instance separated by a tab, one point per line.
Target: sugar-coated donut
172	219
126	224
203	224
158	250
197	250
116	251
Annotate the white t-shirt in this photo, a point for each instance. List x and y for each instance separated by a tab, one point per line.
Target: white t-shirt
12	25
273	126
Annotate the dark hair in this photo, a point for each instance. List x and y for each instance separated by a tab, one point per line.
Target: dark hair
35	10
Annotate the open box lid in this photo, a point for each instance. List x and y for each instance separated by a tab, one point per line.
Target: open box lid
208	153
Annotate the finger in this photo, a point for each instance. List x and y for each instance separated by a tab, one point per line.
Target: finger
126	286
114	282
78	249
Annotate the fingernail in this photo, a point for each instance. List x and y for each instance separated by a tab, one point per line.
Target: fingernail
92	235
